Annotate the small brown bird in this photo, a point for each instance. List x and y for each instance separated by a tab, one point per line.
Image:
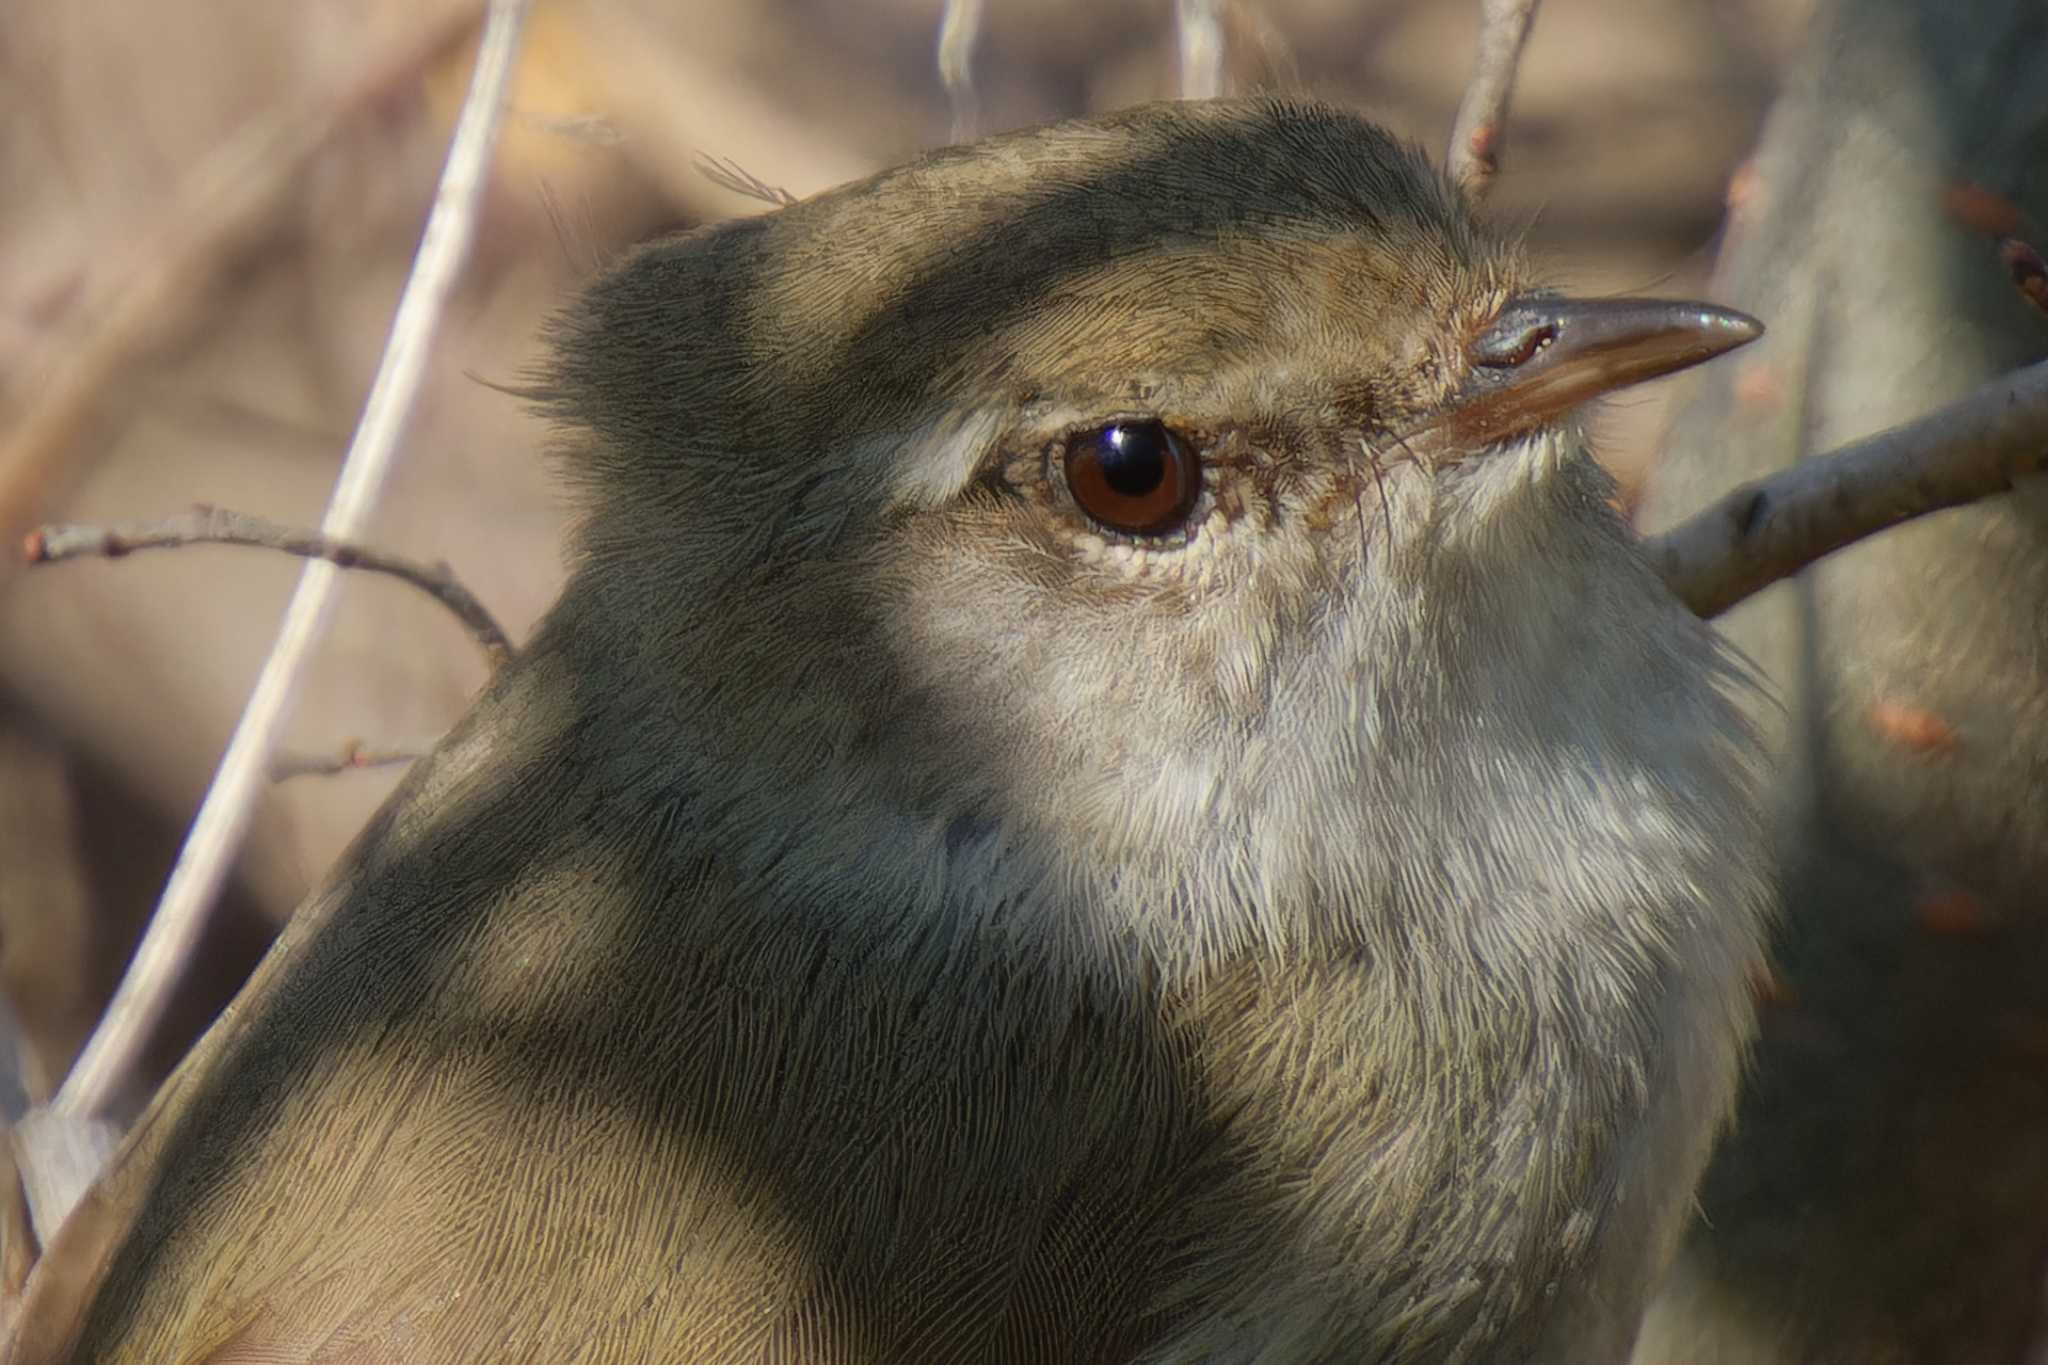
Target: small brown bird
1108	786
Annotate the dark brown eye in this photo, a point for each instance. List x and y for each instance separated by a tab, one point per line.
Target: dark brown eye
1136	477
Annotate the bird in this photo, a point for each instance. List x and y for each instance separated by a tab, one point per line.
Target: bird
1108	784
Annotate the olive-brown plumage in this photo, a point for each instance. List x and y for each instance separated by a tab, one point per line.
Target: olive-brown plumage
1107	787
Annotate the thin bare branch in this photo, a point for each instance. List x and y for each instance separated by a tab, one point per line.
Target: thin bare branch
225	206
110	1059
207	525
1474	157
1771	529
1200	26
958	31
353	756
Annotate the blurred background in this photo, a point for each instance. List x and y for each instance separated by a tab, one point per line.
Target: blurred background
210	207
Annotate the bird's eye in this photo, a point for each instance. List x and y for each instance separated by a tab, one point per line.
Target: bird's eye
1137	476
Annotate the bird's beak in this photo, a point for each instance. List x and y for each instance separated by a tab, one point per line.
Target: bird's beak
1544	356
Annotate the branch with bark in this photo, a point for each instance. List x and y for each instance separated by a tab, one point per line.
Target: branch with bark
1769	530
1474	157
208	525
353	756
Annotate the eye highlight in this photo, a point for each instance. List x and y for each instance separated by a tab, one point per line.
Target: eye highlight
1136	476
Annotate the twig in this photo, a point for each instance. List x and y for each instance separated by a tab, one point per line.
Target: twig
1771	529
353	755
958	30
1474	157
109	1059
207	525
1200	25
225	205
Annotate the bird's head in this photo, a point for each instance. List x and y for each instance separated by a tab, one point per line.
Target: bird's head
1141	480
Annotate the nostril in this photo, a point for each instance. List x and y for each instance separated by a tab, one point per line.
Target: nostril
1503	349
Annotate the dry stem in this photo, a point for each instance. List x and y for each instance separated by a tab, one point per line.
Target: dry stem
207	525
109	1059
353	756
1772	528
1474	157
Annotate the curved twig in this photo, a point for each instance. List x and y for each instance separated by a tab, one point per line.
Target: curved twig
208	525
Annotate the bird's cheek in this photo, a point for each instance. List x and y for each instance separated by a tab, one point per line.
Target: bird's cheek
1241	674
